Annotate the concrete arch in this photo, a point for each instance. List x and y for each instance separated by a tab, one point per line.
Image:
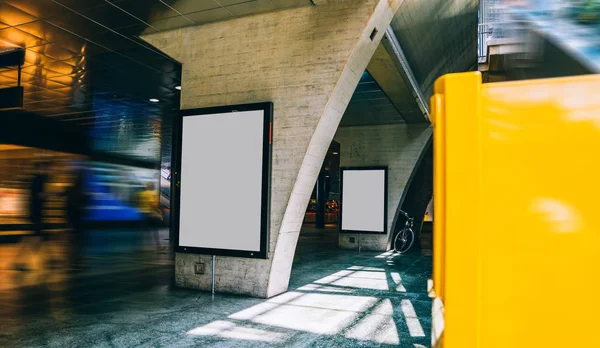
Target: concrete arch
307	61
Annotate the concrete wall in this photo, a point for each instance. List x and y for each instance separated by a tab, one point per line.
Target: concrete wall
396	146
307	61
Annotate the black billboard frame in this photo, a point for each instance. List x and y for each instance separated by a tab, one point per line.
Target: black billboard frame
267	108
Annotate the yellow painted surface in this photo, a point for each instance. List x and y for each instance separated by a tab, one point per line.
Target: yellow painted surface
517	256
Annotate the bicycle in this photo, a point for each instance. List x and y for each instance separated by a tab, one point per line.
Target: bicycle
406	237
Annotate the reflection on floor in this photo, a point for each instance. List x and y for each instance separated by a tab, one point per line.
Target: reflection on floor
124	299
104	252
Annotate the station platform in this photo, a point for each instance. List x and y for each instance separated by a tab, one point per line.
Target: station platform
125	298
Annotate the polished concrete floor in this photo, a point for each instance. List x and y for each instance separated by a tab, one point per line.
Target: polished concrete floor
124	298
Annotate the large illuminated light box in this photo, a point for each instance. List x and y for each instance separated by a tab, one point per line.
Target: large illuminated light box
364	200
222	173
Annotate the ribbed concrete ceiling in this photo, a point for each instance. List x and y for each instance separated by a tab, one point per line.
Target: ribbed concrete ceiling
170	14
386	69
382	96
370	106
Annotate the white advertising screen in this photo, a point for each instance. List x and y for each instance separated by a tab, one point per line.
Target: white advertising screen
221	175
364	200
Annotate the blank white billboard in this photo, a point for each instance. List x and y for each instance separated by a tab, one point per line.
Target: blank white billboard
364	200
221	192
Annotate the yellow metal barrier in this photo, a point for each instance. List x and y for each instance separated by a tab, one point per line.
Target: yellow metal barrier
516	236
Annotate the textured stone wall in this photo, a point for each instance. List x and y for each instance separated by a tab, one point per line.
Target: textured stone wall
307	61
396	146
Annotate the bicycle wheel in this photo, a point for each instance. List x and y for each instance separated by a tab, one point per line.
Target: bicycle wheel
404	240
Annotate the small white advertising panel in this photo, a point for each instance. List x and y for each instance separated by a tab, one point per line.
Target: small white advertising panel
364	200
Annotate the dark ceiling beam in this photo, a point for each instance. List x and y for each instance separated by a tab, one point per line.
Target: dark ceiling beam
12	97
11	57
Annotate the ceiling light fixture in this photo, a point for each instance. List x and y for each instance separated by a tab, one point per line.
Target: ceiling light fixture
154	100
178	88
335	153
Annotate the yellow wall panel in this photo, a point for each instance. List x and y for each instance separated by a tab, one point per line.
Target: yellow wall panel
517	256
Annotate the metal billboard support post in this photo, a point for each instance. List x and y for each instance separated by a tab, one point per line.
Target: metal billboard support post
213	277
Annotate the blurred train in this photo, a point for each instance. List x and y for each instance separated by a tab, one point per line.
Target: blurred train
112	189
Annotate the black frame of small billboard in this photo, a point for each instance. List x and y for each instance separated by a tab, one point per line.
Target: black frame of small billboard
385	193
267	108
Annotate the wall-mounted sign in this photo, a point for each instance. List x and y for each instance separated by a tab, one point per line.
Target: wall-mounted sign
364	200
222	174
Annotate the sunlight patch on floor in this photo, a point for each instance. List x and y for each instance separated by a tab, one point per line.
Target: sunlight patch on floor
363	268
363	283
323	288
254	311
377	326
333	277
412	320
398	281
313	312
384	255
227	329
361	278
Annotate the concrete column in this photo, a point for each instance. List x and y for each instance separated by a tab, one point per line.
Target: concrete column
320	213
307	61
